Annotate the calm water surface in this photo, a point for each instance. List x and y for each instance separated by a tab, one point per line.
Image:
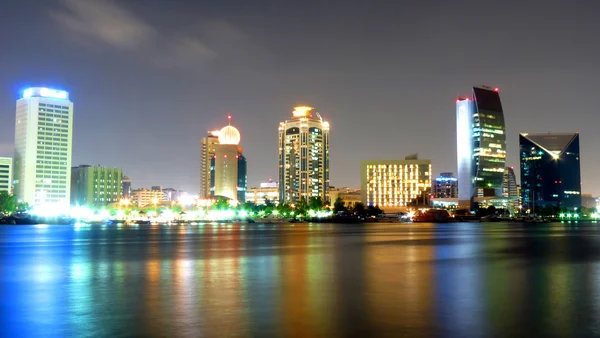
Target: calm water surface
300	280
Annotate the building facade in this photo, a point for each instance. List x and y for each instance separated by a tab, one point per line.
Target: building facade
481	145
267	191
145	197
349	196
95	186
445	186
510	188
43	140
126	187
303	156
228	167
391	184
550	171
207	154
6	165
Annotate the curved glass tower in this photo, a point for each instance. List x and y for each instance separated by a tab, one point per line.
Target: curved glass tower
481	145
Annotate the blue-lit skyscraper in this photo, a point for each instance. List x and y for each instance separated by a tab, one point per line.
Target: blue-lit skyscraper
481	146
550	171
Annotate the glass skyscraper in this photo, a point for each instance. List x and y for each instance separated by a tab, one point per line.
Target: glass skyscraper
303	156
550	171
43	137
481	146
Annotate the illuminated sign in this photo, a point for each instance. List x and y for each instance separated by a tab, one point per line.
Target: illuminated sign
302	111
46	92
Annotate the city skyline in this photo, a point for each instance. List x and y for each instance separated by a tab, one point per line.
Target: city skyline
404	99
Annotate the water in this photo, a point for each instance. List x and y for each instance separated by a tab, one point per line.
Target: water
301	280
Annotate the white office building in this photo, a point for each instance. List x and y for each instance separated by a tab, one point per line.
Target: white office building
6	174
43	140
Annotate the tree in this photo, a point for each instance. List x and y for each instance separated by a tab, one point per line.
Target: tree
268	202
316	203
359	209
8	202
338	205
221	204
373	211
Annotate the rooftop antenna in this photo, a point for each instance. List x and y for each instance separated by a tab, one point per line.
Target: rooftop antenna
229	118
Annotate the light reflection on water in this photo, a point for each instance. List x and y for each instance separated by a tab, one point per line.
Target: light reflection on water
300	280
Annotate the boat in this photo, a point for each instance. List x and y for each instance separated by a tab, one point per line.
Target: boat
432	215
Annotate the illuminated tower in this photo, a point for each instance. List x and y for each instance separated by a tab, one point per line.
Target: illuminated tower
228	166
481	146
207	152
43	137
303	156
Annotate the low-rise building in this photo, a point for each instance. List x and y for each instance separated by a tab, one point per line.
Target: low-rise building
350	196
95	186
267	191
394	185
445	186
145	197
6	165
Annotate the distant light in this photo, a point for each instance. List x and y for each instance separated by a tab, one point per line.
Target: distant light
27	93
496	89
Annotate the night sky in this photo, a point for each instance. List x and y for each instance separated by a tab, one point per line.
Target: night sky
148	78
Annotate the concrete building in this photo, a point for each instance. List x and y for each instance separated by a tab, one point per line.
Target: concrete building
145	197
43	140
95	186
445	186
266	191
395	184
350	196
126	187
6	174
207	153
303	156
480	146
550	171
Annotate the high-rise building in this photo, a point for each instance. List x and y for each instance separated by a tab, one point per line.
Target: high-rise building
6	174
445	186
303	156
207	153
43	139
126	187
550	171
228	176
481	146
95	186
509	184
391	184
